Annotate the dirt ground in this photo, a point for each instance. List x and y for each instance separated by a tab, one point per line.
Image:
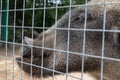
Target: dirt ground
9	69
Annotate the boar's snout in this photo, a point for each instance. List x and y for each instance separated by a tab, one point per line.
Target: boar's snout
18	58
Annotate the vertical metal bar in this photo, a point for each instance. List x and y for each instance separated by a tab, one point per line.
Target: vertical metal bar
33	13
56	16
103	41
6	32
23	20
14	39
43	39
84	42
68	40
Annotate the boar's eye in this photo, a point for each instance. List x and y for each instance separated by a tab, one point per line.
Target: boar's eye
80	18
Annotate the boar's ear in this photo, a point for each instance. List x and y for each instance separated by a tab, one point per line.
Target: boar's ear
116	36
28	41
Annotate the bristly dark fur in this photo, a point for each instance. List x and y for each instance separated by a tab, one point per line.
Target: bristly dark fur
93	46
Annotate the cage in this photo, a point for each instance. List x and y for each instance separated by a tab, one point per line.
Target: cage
65	40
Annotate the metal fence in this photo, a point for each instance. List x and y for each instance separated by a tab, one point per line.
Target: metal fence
85	39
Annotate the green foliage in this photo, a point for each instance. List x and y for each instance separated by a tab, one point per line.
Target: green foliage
49	12
39	11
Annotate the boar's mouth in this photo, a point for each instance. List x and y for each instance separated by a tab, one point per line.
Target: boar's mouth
20	58
25	56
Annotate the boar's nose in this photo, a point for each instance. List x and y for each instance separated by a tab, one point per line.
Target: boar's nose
18	58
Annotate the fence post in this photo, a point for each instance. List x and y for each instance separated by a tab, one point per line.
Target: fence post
4	20
0	17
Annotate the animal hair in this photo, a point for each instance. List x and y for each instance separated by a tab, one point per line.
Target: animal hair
93	44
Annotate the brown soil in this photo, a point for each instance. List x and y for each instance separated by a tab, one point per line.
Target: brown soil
9	52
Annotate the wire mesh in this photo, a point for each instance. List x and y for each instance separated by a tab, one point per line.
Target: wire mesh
65	47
